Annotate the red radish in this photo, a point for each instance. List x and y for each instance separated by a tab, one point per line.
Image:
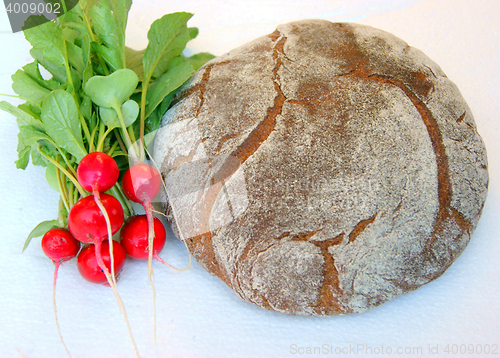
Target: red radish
134	237
86	220
89	268
97	171
59	245
141	182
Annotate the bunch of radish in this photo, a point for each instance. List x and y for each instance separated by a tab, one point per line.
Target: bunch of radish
88	121
95	218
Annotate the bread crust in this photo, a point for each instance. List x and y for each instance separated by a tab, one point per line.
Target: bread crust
323	169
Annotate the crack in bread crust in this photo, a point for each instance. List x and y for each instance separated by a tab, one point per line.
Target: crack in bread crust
259	135
445	211
358	229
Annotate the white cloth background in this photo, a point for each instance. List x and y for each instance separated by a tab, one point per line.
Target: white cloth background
198	316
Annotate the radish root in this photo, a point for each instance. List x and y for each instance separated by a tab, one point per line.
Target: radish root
148	208
172	267
176	218
167	264
57	264
22	355
112	283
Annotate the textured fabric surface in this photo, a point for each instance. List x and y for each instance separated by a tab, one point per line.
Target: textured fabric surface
198	315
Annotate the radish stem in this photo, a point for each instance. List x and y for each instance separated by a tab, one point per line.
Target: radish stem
93	38
110	152
100	138
71	177
118	194
75	196
71	194
63	155
60	216
120	141
125	133
62	190
84	125
92	139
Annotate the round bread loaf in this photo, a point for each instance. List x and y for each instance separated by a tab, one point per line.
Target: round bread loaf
323	169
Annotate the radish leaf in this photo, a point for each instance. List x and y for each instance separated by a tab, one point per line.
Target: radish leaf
33	71
130	111
167	83
48	47
199	59
134	61
167	37
25	86
111	91
110	19
193	32
75	56
30	135
23	118
39	230
23	158
51	176
88	72
62	123
152	122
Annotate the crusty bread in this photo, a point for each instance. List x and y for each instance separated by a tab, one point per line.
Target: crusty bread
323	169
